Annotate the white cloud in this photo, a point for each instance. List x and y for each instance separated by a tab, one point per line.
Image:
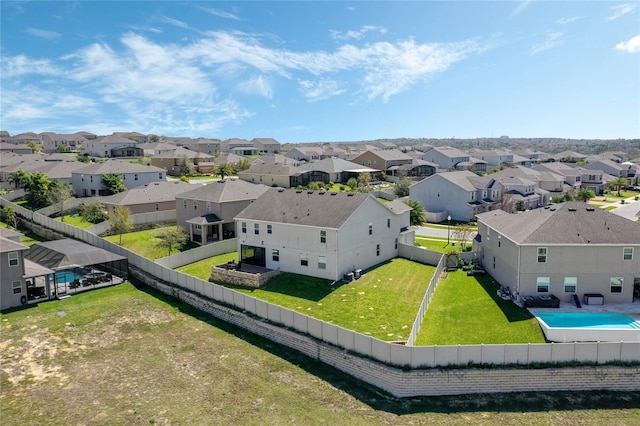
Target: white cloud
259	85
553	39
49	35
219	13
631	46
356	35
620	10
174	22
520	8
320	90
564	21
15	66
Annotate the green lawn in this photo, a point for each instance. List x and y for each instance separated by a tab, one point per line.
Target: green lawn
466	310
383	303
202	268
27	238
438	244
143	242
76	220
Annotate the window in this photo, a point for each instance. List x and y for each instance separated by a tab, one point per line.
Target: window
244	227
396	243
322	262
198	227
91	179
160	176
570	284
616	284
135	176
388	223
304	259
377	249
370	229
269	229
542	255
275	255
499	240
157	206
13	258
542	284
494	262
184	204
256	228
17	287
323	237
627	253
195	205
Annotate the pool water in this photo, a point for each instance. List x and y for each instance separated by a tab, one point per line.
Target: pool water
593	320
66	277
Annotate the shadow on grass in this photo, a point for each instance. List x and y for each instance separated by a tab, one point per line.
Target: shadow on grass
381	401
302	286
510	310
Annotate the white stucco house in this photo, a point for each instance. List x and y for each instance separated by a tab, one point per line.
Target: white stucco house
321	234
563	249
87	181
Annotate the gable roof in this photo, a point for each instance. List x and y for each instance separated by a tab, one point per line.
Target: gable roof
226	190
10	245
567	223
117	166
306	208
155	192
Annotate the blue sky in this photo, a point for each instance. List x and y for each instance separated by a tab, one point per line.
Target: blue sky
322	71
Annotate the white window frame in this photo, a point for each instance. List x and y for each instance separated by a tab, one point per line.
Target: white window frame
541	284
323	236
269	229
377	249
617	283
275	255
572	284
539	252
14	258
627	253
322	262
256	229
16	285
304	259
243	226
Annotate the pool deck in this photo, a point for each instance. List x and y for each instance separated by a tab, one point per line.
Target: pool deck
631	309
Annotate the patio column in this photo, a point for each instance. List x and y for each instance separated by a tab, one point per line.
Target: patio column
220	236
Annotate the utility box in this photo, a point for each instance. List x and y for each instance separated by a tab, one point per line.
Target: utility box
357	273
348	276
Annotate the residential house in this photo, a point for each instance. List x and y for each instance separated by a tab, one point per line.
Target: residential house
474	165
564	250
568	157
207	212
305	153
416	169
494	157
154	148
87	181
382	159
334	170
594	180
320	234
266	145
462	194
445	157
572	176
171	160
134	136
152	197
54	142
105	146
16	149
13	290
272	173
206	146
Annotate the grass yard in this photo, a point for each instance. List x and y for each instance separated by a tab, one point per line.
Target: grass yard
438	244
123	356
609	208
76	220
27	238
466	310
383	303
202	268
144	242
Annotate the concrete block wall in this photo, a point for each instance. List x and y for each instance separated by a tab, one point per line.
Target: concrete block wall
411	382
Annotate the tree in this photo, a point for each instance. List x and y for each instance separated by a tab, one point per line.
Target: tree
185	167
19	178
402	188
619	183
585	194
241	165
93	213
83	158
223	170
462	232
37	186
520	205
315	186
59	193
172	238
505	202
36	146
11	217
120	220
417	215
352	183
363	181
113	182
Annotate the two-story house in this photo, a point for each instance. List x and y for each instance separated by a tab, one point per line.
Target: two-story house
446	157
382	159
207	212
112	146
462	194
266	145
320	234
565	249
87	181
171	160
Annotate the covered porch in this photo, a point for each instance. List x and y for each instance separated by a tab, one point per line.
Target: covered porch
209	228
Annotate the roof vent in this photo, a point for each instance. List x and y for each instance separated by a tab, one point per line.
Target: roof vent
571	209
591	209
281	190
309	192
334	193
299	191
553	210
350	194
321	193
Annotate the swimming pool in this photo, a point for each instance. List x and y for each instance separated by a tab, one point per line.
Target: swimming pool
588	326
66	277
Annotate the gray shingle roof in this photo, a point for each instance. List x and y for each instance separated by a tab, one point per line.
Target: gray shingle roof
68	252
117	166
309	208
567	223
156	192
226	191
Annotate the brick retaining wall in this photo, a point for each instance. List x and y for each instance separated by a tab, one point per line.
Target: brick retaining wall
416	382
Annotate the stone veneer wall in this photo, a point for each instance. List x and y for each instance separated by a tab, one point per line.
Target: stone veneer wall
240	278
414	382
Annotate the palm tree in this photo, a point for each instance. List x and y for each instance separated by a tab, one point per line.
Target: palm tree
619	183
19	178
417	214
11	217
223	170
